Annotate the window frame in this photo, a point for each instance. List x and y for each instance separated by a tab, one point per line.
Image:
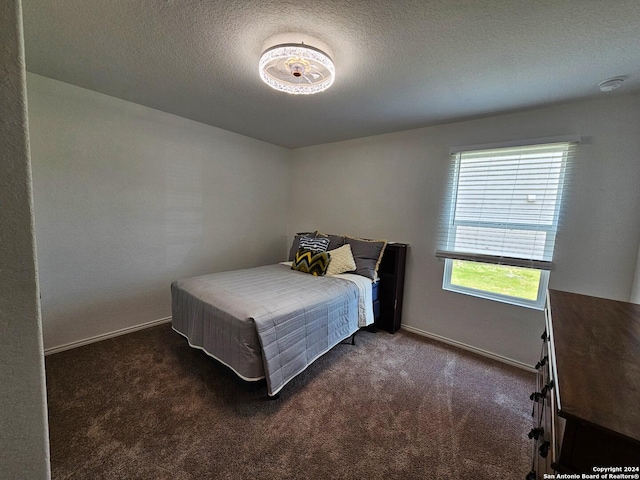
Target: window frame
451	225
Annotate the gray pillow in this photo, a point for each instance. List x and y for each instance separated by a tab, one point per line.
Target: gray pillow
367	254
335	241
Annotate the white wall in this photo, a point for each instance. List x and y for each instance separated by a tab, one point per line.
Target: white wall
392	186
128	199
24	443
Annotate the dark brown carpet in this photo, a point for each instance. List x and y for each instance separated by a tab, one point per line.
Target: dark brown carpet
147	406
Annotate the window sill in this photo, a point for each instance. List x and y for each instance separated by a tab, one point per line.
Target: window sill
518	302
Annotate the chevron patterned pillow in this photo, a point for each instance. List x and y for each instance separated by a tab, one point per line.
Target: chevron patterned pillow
315	263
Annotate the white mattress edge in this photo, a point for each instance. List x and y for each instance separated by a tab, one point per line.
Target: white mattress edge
247	379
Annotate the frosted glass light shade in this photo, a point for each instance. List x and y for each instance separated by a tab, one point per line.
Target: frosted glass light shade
297	69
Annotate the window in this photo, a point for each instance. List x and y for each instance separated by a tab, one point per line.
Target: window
501	220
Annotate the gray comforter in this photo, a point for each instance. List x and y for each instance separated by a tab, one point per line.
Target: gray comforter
267	321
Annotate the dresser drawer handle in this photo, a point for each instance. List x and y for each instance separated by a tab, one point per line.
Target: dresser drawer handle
544	449
542	362
536	433
536	396
547	388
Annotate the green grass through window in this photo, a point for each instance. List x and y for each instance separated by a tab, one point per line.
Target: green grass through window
505	280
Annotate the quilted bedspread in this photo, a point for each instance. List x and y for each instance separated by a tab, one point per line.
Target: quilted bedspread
296	317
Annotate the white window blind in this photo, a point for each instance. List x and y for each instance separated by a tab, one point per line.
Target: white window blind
504	204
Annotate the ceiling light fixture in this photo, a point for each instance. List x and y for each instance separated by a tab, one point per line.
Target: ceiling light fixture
297	68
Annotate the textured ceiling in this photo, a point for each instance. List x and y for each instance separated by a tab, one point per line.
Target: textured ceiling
400	64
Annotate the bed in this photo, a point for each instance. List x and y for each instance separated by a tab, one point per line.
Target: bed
272	322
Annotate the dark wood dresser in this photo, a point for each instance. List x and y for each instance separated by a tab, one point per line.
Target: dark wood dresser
586	406
391	287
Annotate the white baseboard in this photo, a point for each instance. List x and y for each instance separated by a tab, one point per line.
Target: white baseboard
470	348
105	336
